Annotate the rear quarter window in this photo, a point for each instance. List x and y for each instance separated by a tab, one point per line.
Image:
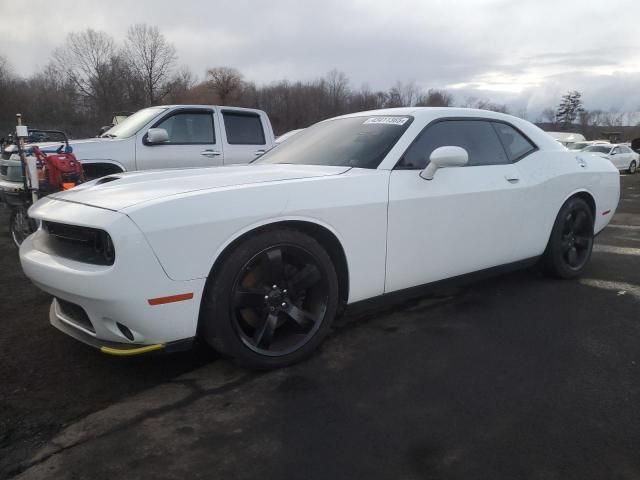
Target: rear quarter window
515	143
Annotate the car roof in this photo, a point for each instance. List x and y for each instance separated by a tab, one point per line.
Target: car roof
424	115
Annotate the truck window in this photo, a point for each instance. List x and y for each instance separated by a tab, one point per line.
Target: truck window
243	128
187	128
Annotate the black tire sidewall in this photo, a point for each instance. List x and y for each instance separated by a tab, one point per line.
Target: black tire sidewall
216	323
12	225
633	166
553	259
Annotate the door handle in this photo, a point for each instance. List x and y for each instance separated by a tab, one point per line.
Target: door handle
210	153
259	152
512	178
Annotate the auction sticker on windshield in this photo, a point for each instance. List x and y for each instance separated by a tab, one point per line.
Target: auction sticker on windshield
386	120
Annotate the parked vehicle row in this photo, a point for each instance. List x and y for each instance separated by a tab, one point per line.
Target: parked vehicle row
259	259
621	156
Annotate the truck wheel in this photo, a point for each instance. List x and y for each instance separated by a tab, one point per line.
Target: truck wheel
20	225
632	167
272	301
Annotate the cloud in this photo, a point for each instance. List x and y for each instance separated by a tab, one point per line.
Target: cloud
525	53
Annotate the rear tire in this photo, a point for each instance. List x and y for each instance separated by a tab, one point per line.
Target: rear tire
272	300
571	241
632	167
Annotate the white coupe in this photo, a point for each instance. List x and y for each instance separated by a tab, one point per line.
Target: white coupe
259	259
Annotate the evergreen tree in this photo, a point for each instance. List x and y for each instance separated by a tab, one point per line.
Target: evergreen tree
569	109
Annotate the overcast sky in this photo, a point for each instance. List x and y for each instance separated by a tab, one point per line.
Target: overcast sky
526	53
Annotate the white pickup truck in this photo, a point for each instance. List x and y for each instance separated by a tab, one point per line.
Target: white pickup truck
176	136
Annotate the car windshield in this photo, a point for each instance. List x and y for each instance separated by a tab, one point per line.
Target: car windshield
131	125
598	148
360	142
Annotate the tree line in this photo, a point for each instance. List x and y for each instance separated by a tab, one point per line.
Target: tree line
92	76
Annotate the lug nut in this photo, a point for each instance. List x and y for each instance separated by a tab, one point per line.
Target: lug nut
275	286
266	297
284	304
284	291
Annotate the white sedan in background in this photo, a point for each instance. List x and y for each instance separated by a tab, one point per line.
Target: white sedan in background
621	156
259	259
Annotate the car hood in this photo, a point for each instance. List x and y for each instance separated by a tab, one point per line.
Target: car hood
116	192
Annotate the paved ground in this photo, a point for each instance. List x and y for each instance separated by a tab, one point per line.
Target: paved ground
514	377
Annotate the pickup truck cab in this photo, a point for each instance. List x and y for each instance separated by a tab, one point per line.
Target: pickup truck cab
176	136
182	136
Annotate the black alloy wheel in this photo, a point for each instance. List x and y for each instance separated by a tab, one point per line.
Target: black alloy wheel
632	167
577	239
279	300
272	299
571	241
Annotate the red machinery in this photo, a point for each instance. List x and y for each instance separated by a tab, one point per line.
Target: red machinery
57	171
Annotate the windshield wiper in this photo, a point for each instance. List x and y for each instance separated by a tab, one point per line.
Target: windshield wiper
108	135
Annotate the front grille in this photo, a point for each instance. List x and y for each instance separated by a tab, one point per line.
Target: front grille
83	244
75	313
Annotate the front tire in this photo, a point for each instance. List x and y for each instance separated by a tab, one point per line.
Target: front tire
272	300
632	167
571	241
20	225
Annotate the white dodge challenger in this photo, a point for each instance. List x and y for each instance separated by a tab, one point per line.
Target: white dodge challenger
259	259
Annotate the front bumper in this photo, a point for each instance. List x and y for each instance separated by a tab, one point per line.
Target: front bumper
115	295
9	191
11	187
65	325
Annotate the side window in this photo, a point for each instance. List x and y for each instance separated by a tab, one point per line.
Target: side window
243	128
516	144
189	128
477	137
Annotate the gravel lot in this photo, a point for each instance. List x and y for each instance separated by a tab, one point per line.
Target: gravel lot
513	377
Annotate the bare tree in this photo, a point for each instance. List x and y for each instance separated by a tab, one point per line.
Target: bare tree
225	82
85	57
90	61
402	95
152	58
337	86
5	69
435	98
179	85
484	104
548	116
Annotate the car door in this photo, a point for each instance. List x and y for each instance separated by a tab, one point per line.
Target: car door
243	136
464	220
628	156
193	141
617	157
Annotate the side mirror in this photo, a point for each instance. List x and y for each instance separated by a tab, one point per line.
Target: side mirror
614	152
156	135
445	157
